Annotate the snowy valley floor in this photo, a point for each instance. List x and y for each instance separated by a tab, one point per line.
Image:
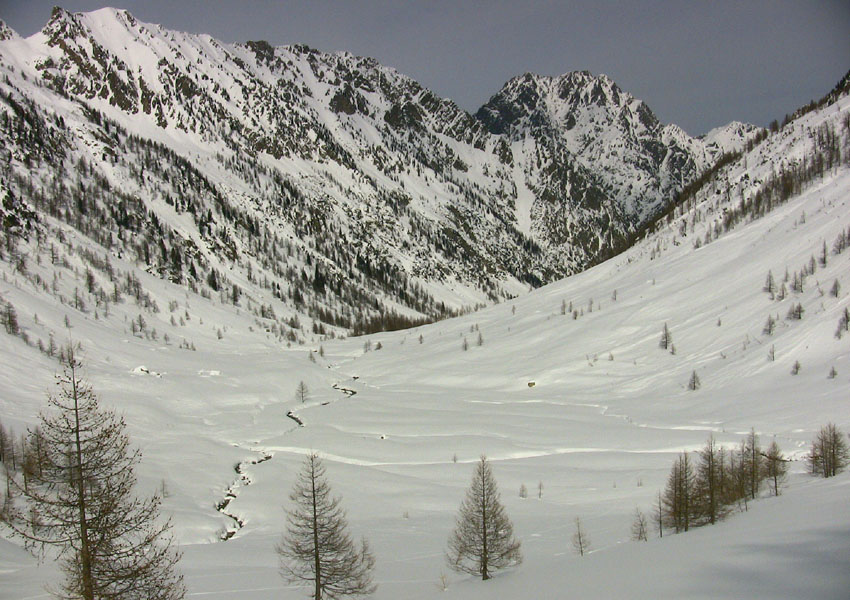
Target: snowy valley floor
606	415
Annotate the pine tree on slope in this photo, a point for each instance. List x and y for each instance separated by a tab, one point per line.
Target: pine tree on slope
483	539
79	500
316	549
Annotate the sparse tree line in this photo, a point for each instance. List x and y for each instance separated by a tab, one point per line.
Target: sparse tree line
578	311
778	289
831	148
703	488
841	87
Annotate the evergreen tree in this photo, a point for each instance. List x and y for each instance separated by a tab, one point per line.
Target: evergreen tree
79	500
316	549
483	539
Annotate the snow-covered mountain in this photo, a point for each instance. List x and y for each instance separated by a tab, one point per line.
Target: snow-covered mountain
567	388
729	138
326	186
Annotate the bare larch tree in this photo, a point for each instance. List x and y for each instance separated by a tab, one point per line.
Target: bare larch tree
640	527
483	539
678	497
830	453
316	549
666	339
775	467
78	499
302	393
581	542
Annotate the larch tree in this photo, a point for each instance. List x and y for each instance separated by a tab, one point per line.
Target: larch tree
581	542
830	453
483	539
753	463
770	285
78	499
316	549
666	340
775	467
708	481
769	326
740	474
302	393
658	514
694	383
639	527
679	495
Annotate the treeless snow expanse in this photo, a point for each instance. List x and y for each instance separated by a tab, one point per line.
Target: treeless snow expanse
607	413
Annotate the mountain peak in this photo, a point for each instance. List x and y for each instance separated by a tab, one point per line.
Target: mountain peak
6	32
62	25
377	182
732	136
554	99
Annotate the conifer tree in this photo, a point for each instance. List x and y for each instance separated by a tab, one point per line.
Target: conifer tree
78	497
770	326
581	542
678	498
770	285
753	463
708	481
302	393
639	526
666	339
694	382
775	467
830	453
316	549
483	539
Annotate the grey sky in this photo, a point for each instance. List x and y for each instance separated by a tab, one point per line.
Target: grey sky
696	63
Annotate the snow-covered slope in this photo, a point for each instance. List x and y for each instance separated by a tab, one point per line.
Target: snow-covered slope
729	138
386	197
606	415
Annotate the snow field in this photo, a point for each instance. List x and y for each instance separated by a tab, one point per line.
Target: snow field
600	434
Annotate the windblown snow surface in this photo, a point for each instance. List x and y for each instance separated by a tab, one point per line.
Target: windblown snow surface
606	415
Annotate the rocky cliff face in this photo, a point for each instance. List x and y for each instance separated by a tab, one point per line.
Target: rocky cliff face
340	186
